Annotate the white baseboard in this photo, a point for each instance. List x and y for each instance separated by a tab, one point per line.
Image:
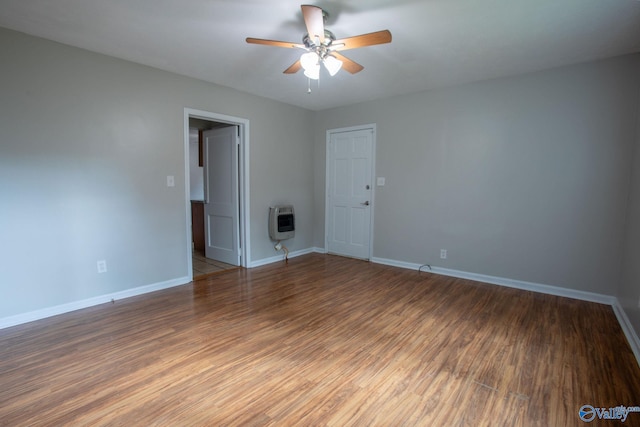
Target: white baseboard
77	305
501	281
31	316
280	257
627	328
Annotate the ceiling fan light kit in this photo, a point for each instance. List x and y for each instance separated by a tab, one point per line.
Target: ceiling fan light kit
332	64
310	62
313	72
322	47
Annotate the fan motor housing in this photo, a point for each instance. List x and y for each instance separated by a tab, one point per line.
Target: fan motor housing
329	37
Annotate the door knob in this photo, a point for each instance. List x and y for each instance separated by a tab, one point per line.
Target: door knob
365	203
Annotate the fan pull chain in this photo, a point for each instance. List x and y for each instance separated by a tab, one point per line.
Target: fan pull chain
309	84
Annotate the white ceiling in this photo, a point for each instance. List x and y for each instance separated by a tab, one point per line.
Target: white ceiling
436	43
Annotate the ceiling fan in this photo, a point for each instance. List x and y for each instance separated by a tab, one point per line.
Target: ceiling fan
322	47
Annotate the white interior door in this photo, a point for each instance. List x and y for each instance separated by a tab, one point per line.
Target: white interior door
349	192
221	208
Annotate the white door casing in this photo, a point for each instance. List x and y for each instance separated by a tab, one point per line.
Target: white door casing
349	183
221	207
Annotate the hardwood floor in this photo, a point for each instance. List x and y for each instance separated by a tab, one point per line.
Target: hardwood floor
203	266
321	340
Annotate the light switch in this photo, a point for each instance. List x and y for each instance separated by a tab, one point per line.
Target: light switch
171	181
380	181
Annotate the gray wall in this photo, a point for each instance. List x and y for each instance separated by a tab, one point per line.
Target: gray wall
86	143
524	178
629	292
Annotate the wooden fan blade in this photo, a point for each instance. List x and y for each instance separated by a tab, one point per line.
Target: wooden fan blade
347	64
314	21
275	43
379	37
294	68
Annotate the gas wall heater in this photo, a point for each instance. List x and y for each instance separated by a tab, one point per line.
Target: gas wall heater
281	222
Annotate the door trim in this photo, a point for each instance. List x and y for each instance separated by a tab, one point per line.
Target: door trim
372	127
243	181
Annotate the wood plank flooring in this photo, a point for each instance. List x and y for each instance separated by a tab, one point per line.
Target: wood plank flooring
203	266
320	340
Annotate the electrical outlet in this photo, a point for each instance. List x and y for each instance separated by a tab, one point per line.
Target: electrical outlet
171	181
102	266
443	254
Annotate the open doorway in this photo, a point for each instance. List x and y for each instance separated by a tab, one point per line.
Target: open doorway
216	152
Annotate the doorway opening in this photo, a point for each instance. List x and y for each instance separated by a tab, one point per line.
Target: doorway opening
216	177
